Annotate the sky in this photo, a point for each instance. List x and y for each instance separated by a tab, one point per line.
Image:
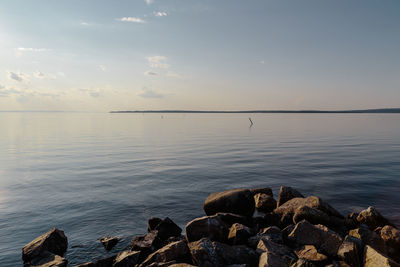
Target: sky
98	55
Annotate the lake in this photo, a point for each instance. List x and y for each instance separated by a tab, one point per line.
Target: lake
97	174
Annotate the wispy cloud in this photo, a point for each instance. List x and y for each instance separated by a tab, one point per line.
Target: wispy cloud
158	62
160	14
150	73
41	75
17	76
6	92
132	19
148	93
20	50
149	2
102	68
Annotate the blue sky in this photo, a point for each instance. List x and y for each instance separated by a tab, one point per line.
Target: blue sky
97	55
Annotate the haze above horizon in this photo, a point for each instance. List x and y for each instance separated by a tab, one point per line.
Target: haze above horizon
97	55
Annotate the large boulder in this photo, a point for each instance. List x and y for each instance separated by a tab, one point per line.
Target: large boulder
127	259
369	237
349	253
237	201
372	218
272	233
239	233
312	215
47	259
211	227
268	259
310	253
372	258
208	253
53	241
391	237
176	251
270	247
152	223
109	242
264	202
305	233
286	193
167	228
146	244
263	190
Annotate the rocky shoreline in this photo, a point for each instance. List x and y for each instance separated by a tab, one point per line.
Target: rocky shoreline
247	227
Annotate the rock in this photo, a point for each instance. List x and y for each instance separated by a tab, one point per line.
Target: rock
372	218
268	219
146	244
208	253
312	215
48	259
368	237
272	233
53	241
349	253
287	210
286	193
302	263
176	251
236	201
338	264
264	202
272	260
230	219
181	265
86	264
152	223
305	233
162	264
106	262
263	190
310	253
391	237
373	258
238	234
127	259
270	247
109	242
167	228
211	227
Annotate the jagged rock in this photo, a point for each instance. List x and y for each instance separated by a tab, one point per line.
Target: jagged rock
268	259
263	190
237	201
48	259
86	264
310	253
391	237
167	228
211	227
312	215
230	219
176	251
286	193
272	233
338	264
162	264
372	258
268	219
369	238
372	218
238	234
127	259
146	244
305	233
264	202
303	263
349	253
109	242
53	241
208	253
106	262
182	265
280	250
152	223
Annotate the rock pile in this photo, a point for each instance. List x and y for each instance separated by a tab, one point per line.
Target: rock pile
293	231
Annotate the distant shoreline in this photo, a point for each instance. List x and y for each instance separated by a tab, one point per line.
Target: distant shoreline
386	110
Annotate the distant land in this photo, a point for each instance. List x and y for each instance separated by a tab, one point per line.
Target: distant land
382	110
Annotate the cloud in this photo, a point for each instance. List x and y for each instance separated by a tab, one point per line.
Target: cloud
93	92
132	19
158	62
102	68
6	92
20	50
39	75
150	73
148	93
19	77
160	14
149	2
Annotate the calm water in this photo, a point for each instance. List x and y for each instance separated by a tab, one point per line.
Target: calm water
106	174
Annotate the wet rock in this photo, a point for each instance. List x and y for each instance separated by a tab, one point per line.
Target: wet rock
152	223
287	193
310	253
53	241
263	190
270	247
211	227
305	233
391	237
372	218
146	244
372	258
237	201
48	259
167	228
238	234
176	251
109	242
349	253
127	259
368	237
208	253
106	262
264	202
272	233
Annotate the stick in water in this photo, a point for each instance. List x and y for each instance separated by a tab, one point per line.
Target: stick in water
251	122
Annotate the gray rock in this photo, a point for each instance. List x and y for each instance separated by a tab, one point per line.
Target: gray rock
237	201
372	258
109	242
264	202
286	193
127	259
176	251
53	241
